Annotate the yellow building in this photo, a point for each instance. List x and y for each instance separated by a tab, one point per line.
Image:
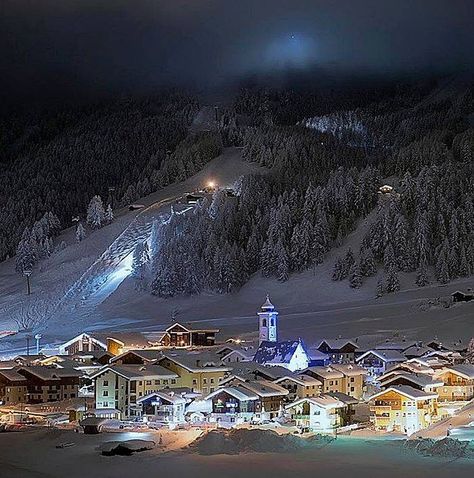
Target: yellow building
300	386
458	383
343	378
403	409
13	387
201	372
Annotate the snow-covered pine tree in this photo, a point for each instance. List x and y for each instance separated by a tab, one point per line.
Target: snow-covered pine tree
141	256
422	275
339	270
348	261
392	283
282	262
442	267
109	214
54	224
380	290
367	266
26	253
389	262
355	276
218	200
464	266
80	232
95	212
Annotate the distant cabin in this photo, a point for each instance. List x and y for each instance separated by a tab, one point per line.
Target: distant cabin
386	189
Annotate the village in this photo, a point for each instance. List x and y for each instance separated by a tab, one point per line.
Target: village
183	378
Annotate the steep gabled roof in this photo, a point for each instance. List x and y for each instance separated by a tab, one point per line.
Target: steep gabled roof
131	372
407	391
384	355
422	380
337	344
325	401
276	352
240	393
12	375
147	355
170	397
464	370
196	361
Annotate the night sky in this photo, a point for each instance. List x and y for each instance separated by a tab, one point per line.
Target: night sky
65	47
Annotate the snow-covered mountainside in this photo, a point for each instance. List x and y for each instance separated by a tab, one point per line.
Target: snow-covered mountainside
68	286
317	232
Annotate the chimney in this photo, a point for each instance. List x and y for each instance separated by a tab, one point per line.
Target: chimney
198	363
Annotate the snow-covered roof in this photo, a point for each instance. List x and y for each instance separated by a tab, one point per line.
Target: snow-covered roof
245	354
12	375
170	397
238	392
344	398
130	372
48	373
315	354
422	380
300	379
464	370
337	344
267	305
276	352
196	361
92	337
145	354
396	345
321	401
264	388
407	391
417	351
384	355
325	372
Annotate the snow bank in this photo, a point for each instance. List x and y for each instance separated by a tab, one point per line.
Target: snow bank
125	448
238	441
447	447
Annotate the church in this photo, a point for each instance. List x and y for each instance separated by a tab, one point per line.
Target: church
290	354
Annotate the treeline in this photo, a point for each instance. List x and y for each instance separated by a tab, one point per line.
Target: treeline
427	226
227	239
321	181
59	161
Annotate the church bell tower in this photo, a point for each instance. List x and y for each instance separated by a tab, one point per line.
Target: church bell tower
268	319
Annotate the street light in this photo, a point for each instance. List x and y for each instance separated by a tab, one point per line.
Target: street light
27	272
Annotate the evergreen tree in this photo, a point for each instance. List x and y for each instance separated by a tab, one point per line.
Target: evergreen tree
26	253
283	263
389	258
355	276
95	212
349	261
80	232
109	214
422	276
392	283
367	266
380	291
339	271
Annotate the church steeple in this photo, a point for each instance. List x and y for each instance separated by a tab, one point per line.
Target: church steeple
268	322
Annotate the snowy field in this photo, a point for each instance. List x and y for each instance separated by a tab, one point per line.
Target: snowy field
33	455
